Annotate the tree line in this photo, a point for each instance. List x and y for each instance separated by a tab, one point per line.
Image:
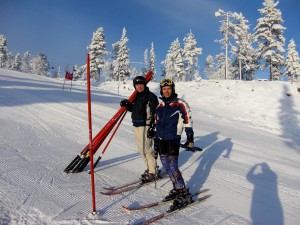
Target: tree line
245	53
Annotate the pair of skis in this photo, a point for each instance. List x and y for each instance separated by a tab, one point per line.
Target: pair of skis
168	213
158	203
137	184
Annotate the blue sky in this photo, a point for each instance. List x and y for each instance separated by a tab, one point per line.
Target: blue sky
62	29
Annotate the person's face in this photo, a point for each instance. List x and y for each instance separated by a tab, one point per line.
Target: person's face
167	91
140	87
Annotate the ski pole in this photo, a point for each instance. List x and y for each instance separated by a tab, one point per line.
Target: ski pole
156	173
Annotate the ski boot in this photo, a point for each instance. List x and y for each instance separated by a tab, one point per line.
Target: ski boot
172	195
183	198
148	177
145	173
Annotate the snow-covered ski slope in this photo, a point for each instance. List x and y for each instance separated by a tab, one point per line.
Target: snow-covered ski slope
250	133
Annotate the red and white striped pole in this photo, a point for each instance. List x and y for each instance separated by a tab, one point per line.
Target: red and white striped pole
88	78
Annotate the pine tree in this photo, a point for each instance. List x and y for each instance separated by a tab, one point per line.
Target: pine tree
220	67
245	62
3	51
40	65
17	63
210	67
227	29
80	73
113	73
168	66
173	64
145	68
269	38
292	64
190	56
134	72
152	60
97	50
25	66
122	66
10	61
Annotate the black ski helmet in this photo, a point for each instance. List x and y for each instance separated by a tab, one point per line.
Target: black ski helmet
167	82
139	80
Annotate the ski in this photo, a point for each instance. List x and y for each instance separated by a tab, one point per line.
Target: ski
129	187
158	203
168	213
194	149
122	186
161	174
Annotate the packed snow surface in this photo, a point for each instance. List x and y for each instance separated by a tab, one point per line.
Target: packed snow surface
250	163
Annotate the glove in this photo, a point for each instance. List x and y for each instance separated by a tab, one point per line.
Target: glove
151	131
156	148
125	103
190	140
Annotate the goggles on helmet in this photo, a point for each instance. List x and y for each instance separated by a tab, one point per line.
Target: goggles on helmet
166	82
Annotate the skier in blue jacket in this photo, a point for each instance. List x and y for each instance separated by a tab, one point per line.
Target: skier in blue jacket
173	115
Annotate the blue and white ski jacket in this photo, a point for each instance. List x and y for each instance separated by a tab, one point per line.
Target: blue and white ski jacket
171	118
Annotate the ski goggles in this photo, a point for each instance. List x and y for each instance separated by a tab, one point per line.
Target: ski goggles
166	82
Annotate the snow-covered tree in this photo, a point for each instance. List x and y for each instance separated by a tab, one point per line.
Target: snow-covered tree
173	64
220	67
3	51
146	62
113	61
190	56
40	64
269	38
228	24
80	72
292	64
10	61
108	69
25	67
152	60
134	72
245	61
17	63
210	67
97	50
168	66
122	65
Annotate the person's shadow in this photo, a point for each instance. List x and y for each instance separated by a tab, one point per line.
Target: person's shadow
266	207
206	161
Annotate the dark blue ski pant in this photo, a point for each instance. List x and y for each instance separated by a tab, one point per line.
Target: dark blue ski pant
169	152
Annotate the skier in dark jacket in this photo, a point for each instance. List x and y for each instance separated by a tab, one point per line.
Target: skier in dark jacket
172	116
143	110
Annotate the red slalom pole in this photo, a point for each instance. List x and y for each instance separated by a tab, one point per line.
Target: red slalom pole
88	77
111	137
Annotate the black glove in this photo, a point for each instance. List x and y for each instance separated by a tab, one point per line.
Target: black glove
190	140
151	131
125	103
156	148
